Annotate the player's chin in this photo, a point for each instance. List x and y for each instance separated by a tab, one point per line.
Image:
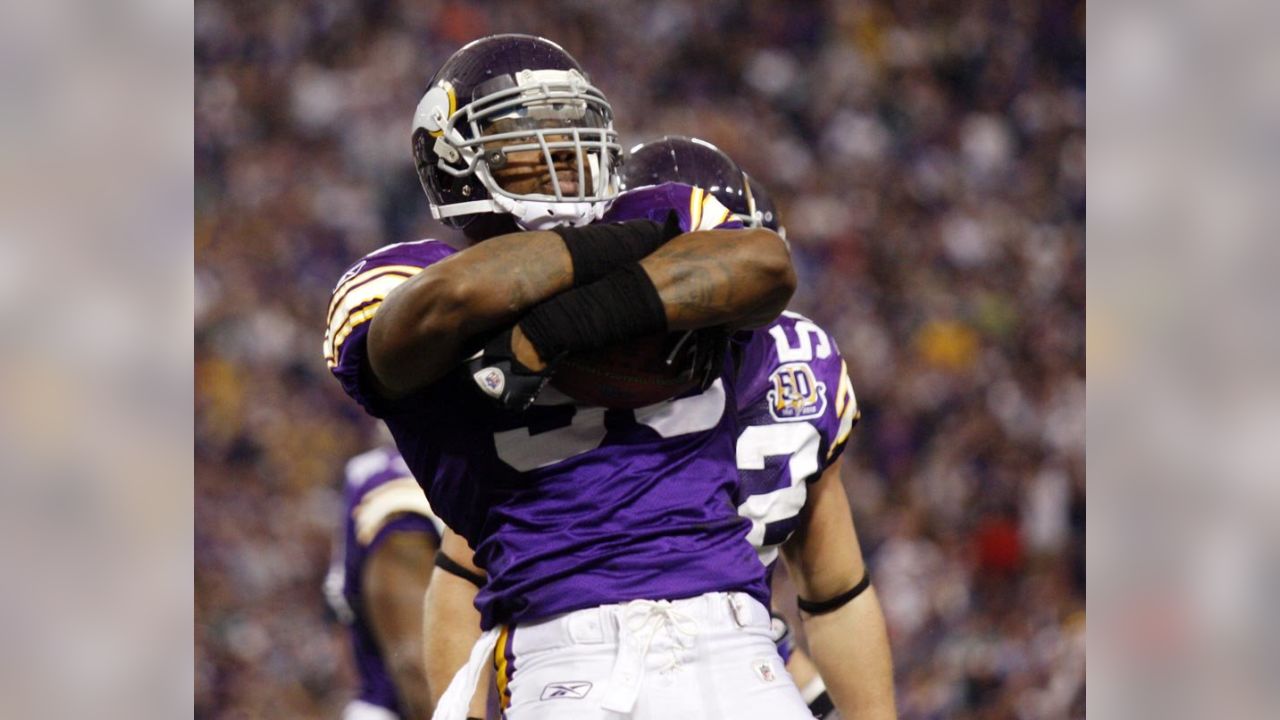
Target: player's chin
568	182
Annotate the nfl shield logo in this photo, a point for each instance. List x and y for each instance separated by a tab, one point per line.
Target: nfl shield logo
491	381
764	669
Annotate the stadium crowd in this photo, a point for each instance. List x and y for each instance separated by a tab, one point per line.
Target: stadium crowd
928	159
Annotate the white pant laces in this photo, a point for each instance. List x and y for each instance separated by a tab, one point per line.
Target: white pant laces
644	618
653	615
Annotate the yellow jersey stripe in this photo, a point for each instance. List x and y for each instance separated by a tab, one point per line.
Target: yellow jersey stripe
340	293
333	341
380	505
845	388
851	399
375	289
357	300
846	409
846	428
695	207
500	666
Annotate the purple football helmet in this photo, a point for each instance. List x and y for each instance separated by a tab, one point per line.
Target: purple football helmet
696	162
514	93
761	210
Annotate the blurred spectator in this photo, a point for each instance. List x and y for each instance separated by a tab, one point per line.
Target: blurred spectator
928	159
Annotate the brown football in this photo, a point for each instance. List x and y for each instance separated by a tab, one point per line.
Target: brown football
627	375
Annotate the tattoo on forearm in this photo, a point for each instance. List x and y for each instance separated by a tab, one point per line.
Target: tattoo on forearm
701	284
534	271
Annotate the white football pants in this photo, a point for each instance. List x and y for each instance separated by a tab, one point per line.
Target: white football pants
701	658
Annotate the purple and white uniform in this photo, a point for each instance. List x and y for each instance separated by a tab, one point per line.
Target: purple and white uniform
567	506
380	497
796	408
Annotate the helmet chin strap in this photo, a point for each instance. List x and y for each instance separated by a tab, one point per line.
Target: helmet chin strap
528	214
543	215
463	208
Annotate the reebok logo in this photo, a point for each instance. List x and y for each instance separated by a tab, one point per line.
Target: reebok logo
573	690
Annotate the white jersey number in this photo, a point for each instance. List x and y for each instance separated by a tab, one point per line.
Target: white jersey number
525	451
798	440
811	340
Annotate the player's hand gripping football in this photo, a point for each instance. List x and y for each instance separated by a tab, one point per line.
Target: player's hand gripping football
701	353
503	377
499	372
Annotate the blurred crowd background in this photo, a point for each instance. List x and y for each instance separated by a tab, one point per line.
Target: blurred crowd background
928	157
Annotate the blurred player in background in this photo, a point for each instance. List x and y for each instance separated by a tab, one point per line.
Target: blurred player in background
796	408
613	528
377	580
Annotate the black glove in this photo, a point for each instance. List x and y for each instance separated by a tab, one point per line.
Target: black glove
503	378
701	352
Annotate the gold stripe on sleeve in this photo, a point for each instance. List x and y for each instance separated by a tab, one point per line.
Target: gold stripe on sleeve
339	294
695	208
846	409
375	289
334	340
380	505
845	389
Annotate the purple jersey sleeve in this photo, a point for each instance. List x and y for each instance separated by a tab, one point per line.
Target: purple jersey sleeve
796	409
697	209
792	372
355	300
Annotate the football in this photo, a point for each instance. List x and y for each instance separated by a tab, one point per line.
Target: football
628	375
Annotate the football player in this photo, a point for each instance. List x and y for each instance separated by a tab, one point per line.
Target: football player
796	408
375	585
781	399
613	527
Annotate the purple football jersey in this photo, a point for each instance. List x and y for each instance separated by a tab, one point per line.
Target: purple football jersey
380	498
567	506
796	407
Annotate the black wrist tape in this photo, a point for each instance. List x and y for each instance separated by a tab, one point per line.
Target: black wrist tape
453	567
826	606
822	705
622	306
599	249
